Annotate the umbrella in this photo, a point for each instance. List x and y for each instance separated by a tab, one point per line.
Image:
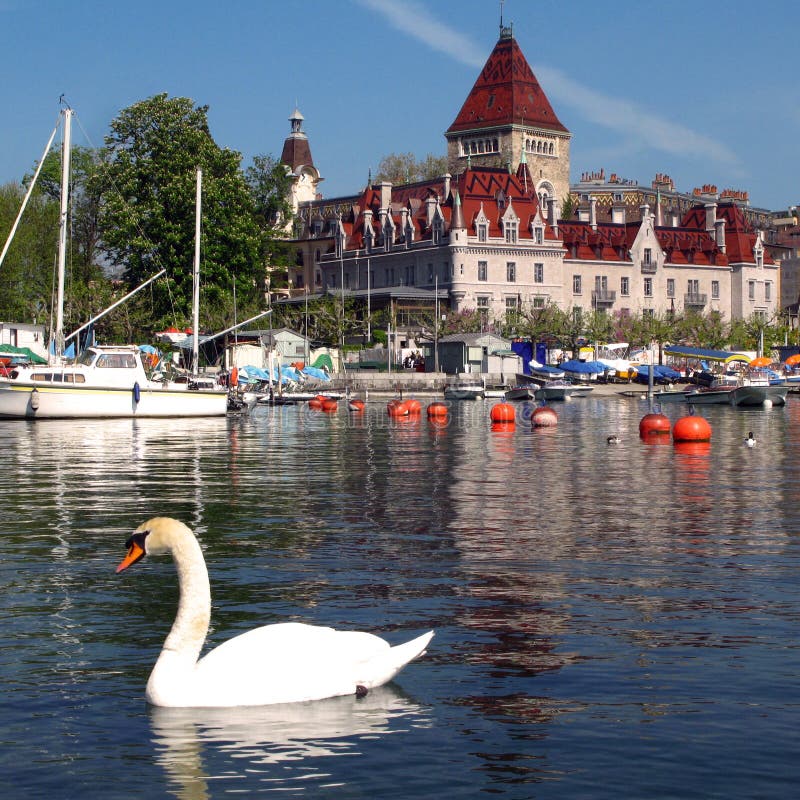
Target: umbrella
761	361
795	359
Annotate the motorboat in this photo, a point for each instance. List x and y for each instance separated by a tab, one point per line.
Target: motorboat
561	390
464	391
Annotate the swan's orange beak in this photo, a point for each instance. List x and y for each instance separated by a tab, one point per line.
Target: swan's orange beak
135	552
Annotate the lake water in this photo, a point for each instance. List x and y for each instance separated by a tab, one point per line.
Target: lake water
611	620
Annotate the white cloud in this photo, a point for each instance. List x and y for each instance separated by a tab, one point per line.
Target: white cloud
412	18
636	124
630	120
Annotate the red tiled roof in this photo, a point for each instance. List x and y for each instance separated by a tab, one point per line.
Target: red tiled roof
506	92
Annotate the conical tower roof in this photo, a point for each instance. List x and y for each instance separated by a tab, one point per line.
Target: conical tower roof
506	93
296	150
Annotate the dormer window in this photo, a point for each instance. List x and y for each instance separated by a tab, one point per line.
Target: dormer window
511	229
368	240
483	231
538	234
437	231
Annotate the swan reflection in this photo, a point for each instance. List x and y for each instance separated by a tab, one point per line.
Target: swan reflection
188	739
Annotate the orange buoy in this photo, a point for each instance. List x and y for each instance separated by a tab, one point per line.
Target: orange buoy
691	429
397	408
356	405
315	403
503	427
544	417
235	377
654	424
330	404
414	406
438	410
503	412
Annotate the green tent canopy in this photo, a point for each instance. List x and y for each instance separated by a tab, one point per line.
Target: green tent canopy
7	350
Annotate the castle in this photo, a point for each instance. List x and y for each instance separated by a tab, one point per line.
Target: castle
490	234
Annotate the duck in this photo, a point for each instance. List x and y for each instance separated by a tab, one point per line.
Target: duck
750	441
614	440
286	662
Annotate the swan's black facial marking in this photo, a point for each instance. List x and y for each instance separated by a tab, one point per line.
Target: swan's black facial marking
138	539
361	691
136	550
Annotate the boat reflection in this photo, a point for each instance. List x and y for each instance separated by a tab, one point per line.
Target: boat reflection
195	746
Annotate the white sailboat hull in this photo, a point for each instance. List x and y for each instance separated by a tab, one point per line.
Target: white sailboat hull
24	400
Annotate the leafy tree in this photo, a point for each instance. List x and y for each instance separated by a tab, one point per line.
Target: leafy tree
147	220
399	168
27	275
703	330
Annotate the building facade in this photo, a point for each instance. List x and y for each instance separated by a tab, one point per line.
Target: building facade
489	235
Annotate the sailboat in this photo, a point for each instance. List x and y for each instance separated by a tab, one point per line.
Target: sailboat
106	381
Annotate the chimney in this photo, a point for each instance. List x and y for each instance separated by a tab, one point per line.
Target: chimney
386	195
447	186
593	213
711	216
618	214
719	234
552	213
673	218
645	209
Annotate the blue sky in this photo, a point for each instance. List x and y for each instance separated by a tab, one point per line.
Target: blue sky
705	92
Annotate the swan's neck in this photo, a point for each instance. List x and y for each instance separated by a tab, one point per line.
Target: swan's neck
185	640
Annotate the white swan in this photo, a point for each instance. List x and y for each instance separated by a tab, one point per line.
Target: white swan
283	663
750	441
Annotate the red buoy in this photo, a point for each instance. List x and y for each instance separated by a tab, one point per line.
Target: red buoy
503	427
437	410
330	404
691	429
315	403
414	406
356	405
544	417
503	412
397	408
654	424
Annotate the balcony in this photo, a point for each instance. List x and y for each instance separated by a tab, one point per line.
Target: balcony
603	297
695	300
648	267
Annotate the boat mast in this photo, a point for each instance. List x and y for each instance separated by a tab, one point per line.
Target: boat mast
196	281
62	234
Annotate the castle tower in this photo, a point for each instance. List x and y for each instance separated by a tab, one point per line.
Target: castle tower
507	113
296	157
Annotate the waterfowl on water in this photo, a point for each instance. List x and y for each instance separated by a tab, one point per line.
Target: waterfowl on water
282	663
750	441
614	440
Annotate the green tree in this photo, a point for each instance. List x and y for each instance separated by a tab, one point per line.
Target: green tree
27	275
399	168
703	330
147	221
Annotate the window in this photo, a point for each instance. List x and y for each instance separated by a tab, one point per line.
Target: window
538	273
715	290
693	287
538	234
482	270
437	231
576	284
751	290
511	272
538	302
670	287
511	309
647	260
648	287
767	290
483	231
482	304
625	286
648	312
510	229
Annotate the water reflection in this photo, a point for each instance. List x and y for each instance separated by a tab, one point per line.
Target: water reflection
196	745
